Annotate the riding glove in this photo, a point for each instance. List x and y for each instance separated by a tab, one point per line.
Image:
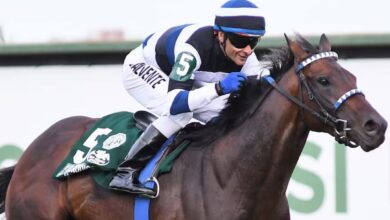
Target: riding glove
231	83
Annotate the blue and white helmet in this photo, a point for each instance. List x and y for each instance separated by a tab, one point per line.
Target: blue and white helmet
240	17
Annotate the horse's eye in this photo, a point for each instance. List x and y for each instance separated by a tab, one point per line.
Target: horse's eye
323	81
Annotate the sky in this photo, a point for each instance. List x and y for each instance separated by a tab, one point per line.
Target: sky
41	21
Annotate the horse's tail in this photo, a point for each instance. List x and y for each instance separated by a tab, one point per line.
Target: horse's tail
5	178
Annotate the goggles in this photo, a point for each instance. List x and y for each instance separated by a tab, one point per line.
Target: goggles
239	41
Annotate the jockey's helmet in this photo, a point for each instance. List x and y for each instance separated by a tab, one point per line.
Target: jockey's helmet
240	17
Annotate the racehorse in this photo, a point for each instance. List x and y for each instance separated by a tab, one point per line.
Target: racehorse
237	167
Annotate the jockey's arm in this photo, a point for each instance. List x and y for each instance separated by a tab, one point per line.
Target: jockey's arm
181	82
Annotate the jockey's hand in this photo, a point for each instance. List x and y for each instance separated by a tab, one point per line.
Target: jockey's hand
231	83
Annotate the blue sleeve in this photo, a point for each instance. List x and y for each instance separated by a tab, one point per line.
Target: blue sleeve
180	103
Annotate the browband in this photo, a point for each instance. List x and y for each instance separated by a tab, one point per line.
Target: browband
315	57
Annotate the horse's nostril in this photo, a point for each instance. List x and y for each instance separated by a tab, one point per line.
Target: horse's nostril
371	127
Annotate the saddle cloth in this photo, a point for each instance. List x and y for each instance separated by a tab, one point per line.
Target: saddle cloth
104	146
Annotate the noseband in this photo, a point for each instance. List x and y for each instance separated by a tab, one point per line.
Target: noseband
340	126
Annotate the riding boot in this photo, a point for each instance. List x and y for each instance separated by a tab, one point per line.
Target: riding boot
146	146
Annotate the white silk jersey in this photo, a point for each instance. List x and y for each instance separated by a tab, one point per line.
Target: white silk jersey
161	49
149	71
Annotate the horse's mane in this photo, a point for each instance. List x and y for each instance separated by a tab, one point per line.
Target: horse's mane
239	109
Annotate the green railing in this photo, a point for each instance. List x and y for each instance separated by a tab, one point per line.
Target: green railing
348	46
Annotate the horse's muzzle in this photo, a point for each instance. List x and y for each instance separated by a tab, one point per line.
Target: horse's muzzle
374	133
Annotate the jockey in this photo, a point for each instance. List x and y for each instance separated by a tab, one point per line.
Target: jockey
187	72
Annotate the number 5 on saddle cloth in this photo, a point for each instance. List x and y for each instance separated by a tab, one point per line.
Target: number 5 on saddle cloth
104	146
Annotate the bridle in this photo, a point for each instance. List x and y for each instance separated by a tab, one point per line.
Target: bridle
340	126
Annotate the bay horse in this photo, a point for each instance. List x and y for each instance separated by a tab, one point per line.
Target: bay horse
237	168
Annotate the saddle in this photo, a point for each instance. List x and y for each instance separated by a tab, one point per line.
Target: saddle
143	119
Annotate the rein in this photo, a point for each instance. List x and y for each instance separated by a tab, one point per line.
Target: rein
340	126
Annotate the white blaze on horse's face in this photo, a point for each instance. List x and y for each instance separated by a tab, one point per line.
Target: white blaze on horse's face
335	89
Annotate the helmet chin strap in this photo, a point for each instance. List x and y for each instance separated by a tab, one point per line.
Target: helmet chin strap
222	45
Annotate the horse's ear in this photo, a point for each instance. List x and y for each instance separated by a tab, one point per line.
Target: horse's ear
287	39
325	44
297	50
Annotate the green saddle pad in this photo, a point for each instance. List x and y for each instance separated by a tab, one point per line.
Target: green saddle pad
104	146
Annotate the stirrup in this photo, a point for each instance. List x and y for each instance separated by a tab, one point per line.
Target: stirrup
155	181
135	192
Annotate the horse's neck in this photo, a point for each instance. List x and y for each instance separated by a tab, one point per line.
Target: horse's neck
262	153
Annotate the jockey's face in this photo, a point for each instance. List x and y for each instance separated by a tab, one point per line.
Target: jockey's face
238	48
